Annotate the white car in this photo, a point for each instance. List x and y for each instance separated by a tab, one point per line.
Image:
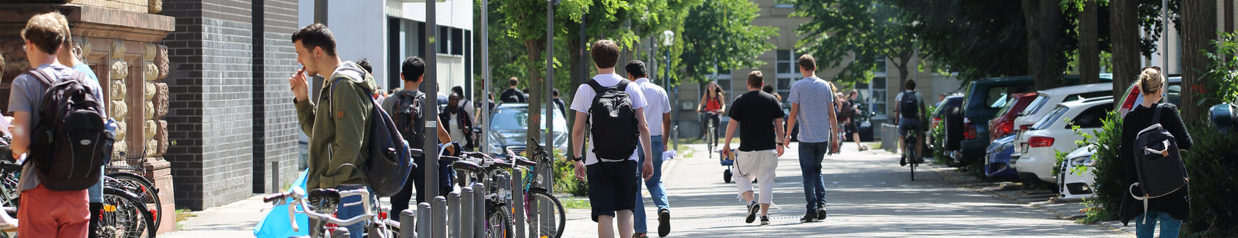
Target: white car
1048	98
1053	133
1075	180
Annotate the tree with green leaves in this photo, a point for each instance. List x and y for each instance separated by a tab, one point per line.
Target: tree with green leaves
719	35
855	33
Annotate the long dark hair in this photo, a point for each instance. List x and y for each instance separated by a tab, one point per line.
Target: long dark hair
714	91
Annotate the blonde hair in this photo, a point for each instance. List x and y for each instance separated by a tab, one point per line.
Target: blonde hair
1151	81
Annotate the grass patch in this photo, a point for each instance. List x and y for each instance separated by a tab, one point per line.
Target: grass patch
184	214
575	203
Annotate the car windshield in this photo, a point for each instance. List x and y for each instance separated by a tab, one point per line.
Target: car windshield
517	118
1048	120
1035	106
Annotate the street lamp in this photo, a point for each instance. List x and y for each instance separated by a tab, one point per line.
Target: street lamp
668	39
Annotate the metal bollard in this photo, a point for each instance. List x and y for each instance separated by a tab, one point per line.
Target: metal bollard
479	211
464	227
453	215
407	222
518	202
423	224
438	212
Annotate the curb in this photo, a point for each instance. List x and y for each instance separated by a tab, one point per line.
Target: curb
954	181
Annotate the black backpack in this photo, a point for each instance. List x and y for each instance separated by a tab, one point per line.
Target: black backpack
612	108
69	142
909	105
408	118
1158	166
389	163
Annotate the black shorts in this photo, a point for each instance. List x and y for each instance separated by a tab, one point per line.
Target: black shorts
850	129
612	187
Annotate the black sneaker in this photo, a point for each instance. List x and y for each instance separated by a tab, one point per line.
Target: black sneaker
821	213
764	220
664	222
809	217
902	161
752	212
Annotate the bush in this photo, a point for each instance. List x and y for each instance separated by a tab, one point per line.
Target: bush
1220	83
1110	185
1213	167
565	177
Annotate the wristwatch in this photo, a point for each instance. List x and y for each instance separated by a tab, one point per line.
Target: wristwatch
578	158
780	144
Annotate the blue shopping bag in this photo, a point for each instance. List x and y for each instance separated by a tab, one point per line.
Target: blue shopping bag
276	224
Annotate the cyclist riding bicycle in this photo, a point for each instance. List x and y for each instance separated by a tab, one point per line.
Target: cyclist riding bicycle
714	107
911	111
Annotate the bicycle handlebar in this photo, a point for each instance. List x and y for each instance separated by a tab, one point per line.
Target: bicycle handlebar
298	196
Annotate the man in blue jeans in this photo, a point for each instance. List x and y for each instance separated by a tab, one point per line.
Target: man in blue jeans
658	114
813	99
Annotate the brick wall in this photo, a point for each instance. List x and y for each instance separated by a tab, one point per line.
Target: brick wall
275	118
212	113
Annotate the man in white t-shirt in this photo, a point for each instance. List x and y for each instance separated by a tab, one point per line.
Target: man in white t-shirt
612	184
658	116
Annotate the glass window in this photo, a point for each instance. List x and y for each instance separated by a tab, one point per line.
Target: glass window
1175	94
879	93
1048	120
1035	106
725	83
1009	105
782	86
786	62
517	118
996	95
784	5
1082	96
444	40
1091	118
881	64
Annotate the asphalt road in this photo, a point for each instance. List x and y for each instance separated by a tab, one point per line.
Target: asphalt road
868	195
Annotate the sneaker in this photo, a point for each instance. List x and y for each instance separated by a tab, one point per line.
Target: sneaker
902	161
752	212
821	213
764	220
809	217
664	222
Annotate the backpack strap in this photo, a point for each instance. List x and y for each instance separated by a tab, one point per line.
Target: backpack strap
1156	116
597	87
43	77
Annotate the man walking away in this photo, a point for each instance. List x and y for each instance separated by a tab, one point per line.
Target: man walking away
560	104
811	98
44	212
659	119
69	58
615	109
513	95
759	120
405	108
910	110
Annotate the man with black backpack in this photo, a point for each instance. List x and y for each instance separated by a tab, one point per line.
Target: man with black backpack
52	99
405	109
910	109
614	108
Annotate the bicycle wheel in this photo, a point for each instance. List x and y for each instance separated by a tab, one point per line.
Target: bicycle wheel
498	222
144	190
913	160
124	216
546	214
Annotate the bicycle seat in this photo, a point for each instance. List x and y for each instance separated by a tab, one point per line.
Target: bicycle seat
501	164
448	158
478	155
468	166
524	162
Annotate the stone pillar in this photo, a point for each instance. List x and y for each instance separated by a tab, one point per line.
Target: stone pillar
118	39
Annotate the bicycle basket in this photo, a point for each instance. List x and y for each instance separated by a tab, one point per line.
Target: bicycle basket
123	161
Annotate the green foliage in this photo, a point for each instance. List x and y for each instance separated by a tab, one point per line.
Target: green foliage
1057	164
1212	164
854	33
1110	171
1220	83
719	33
565	177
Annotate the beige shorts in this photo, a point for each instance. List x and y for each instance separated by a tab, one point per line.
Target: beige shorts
759	165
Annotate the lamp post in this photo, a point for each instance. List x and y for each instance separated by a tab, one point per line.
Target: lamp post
668	39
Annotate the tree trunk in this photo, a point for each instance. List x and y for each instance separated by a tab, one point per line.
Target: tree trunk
1089	44
536	83
1044	56
1124	31
1199	21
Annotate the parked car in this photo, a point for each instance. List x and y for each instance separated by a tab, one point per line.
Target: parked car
1076	185
1133	97
509	128
1224	115
1038	145
984	98
997	159
1003	124
1048	98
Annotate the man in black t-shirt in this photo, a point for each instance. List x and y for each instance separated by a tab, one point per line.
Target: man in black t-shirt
513	95
760	144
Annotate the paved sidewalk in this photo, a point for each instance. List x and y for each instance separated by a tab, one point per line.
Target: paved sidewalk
233	220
